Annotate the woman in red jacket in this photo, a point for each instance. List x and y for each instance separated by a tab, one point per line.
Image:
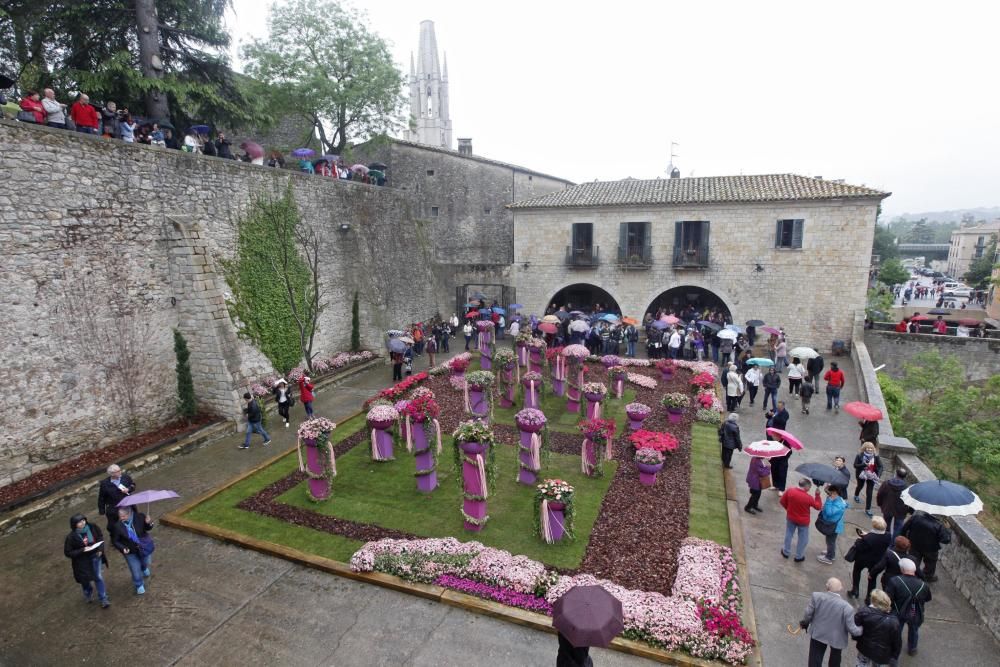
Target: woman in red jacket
32	103
306	394
834	383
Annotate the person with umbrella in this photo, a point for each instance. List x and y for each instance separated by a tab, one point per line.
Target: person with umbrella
130	536
112	491
867	471
909	595
869	430
83	546
798	503
396	349
832	514
759	470
926	534
585	616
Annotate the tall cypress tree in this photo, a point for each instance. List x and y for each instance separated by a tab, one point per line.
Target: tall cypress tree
186	404
355	325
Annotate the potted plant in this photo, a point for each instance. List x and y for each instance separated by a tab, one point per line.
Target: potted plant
595	393
504	362
702	381
637	413
675	402
380	419
554	510
531	424
597	437
459	364
618	375
533	384
479	398
475	462
666	367
320	465
609	360
661	442
649	462
422	428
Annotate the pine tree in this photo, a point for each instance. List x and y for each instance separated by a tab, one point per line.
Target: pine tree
355	325
186	404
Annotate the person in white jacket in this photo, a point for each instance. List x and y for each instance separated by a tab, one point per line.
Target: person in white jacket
734	388
55	112
753	377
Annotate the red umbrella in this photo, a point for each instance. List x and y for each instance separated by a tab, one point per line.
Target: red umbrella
863	411
548	327
669	319
771	330
472	313
786	437
766	449
919	318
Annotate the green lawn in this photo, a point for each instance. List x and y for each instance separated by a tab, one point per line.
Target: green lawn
554	407
707	517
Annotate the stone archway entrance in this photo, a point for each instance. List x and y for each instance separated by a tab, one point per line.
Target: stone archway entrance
685	297
585	297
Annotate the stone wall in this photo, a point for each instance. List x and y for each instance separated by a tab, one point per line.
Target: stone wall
980	357
133	236
812	292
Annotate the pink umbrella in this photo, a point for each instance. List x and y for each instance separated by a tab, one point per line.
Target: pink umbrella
786	437
548	327
669	319
254	150
361	168
770	330
766	449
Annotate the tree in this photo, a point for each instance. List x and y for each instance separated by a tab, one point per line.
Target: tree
187	407
355	325
884	244
275	281
981	269
920	232
321	61
892	273
880	301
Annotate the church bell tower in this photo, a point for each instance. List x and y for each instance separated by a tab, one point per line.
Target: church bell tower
429	119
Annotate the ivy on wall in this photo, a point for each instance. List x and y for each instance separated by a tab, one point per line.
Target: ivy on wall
265	279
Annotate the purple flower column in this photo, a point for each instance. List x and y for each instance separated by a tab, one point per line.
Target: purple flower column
674	415
319	485
574	390
536	359
485	350
593	405
522	355
479	403
530	454
382	444
589	457
553	521
619	387
507	397
532	393
423	457
559	376
473	487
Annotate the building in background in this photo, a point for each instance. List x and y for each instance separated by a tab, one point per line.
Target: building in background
967	245
430	122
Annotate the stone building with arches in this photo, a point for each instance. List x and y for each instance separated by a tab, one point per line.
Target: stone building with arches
791	250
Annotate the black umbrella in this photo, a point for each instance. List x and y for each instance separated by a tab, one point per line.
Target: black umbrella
165	125
938	311
939	496
588	616
380	166
755	323
6	81
821	472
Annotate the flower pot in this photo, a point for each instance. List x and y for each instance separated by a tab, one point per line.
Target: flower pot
380	424
674	415
535	361
557	520
531	428
315	461
610	364
635	419
423	458
383	445
667	373
527	471
593	405
456	372
590	453
647	472
478	402
485	358
532	395
558	387
472	484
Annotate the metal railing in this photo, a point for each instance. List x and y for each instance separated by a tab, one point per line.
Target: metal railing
635	256
582	257
696	257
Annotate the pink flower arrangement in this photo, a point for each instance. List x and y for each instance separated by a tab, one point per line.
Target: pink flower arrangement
703	380
578	352
422	391
485	325
661	442
383	413
643	381
597	388
553	352
664	364
610	360
618	373
457	382
531	376
638	409
312	428
648	456
638	363
259	390
530	417
706	399
598	430
698	367
496	593
422	407
459	363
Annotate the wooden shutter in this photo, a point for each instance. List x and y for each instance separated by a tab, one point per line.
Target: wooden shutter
623	242
576	236
678	236
647	234
777	233
797	233
704	243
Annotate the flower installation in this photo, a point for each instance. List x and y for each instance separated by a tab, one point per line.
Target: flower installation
398	390
478	397
521	345
595	393
575	355
459	363
557	362
506	368
536	354
637	413
707	416
597	437
675	402
320	464
420	417
611	360
649	462
554	511
705	399
381	418
701	616
661	442
643	381
531	424
486	328
703	381
618	375
666	367
533	385
475	457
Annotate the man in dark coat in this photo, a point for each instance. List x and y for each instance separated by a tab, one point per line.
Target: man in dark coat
879	642
869	549
729	438
112	491
926	534
815	367
128	535
87	559
869	431
889	499
909	595
771	383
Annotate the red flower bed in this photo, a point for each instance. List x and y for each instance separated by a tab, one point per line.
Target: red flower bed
661	442
396	391
703	380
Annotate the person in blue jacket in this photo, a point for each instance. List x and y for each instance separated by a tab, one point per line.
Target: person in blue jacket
832	512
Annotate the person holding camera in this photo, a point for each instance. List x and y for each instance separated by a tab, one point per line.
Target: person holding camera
111	117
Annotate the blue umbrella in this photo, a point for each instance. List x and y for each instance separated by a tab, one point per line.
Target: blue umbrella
942	497
485	311
659	324
303	152
470	305
736	327
515	306
608	317
760	361
200	129
498	309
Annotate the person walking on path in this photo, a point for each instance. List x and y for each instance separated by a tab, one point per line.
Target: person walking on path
880	642
752	378
869	549
284	399
467	332
830	621
254	421
432	348
798	503
832	513
130	536
397	366
771	382
306	388
806	392
514	330
734	387
926	534
867	471
869	431
780	355
890	501
815	367
888	565
759	470
112	491
729	438
87	559
909	595
796	371
834	383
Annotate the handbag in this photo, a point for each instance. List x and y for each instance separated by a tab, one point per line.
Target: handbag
852	553
825	527
765	482
26	117
146	545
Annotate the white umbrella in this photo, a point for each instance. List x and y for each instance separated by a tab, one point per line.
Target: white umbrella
551	319
579	325
727	333
766	449
803	353
942	497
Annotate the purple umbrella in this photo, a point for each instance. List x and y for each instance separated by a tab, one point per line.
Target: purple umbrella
147	497
659	324
303	152
588	616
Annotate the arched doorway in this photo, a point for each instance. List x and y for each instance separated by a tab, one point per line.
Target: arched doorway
584	296
685	298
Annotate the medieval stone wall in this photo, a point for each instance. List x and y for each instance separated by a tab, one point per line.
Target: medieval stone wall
102	239
980	357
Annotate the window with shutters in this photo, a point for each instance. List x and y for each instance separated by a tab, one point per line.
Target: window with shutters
691	244
788	234
581	252
634	245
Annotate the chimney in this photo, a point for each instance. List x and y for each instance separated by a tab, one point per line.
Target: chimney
465	146
675	173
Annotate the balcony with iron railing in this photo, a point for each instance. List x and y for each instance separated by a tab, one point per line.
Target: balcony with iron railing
584	257
691	258
637	257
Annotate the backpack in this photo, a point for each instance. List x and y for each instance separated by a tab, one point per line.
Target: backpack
909	610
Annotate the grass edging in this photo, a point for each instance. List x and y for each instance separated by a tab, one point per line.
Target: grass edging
740	556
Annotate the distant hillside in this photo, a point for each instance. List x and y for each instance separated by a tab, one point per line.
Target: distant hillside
982	213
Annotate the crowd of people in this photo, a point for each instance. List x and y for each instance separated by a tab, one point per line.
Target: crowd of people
917	324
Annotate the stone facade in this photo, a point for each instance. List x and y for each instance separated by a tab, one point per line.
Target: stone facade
149	227
967	245
813	292
980	357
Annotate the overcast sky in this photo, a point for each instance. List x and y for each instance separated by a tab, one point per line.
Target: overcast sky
896	95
